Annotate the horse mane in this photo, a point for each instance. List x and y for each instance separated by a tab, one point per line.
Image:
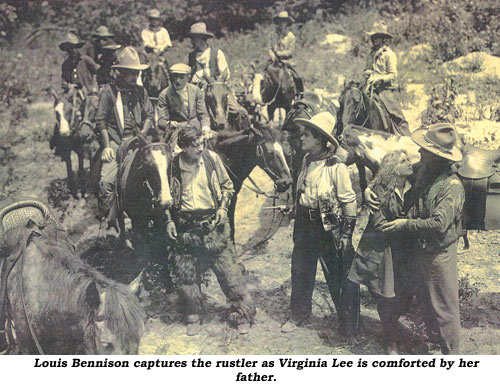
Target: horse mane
122	311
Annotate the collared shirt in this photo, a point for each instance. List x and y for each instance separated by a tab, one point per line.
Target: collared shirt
196	195
384	62
157	40
326	186
407	186
80	73
203	65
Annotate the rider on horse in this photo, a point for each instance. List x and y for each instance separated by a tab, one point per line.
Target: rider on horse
209	65
124	108
182	103
282	48
155	38
381	72
100	37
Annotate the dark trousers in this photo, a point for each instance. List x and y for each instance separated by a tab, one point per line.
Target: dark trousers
312	242
395	111
440	305
198	249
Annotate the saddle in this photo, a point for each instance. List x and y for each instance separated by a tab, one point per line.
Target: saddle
481	179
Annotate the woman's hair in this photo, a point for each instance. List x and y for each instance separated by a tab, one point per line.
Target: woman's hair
187	136
385	181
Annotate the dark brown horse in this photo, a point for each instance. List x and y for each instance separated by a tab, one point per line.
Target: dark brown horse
55	303
242	151
277	87
73	132
156	77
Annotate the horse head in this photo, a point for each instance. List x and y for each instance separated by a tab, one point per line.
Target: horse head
216	99
271	157
154	158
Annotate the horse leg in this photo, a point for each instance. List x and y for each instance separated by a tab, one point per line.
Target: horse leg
69	172
81	169
363	184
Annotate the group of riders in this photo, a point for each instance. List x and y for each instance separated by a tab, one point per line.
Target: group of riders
419	206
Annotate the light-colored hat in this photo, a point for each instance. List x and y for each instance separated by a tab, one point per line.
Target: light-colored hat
111	46
283	15
129	59
440	139
153	14
102	32
379	28
200	28
324	123
180	68
71	41
17	213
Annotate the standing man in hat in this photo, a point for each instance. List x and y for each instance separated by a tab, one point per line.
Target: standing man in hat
124	108
381	72
100	37
200	229
435	208
182	102
282	47
156	38
324	223
209	65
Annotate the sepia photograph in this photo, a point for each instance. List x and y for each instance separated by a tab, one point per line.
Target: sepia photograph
249	177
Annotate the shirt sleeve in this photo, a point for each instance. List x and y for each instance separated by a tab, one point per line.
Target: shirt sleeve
222	64
163	112
345	193
148	107
91	64
446	212
288	46
104	109
391	65
225	182
165	39
147	39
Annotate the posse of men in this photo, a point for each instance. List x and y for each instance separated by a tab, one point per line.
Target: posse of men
326	208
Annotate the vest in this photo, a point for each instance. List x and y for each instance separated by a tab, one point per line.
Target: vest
176	180
212	63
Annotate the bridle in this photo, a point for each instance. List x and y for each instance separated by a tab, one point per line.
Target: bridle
210	112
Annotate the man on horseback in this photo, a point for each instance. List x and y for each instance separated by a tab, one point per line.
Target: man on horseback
124	108
156	38
282	48
182	103
100	37
380	74
198	224
209	65
324	222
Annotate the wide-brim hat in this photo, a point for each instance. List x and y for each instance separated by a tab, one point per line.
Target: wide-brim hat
153	14
200	29
129	59
283	15
102	32
324	123
440	139
379	28
71	41
180	68
16	213
111	46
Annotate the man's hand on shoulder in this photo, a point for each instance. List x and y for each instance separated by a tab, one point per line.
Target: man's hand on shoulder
108	154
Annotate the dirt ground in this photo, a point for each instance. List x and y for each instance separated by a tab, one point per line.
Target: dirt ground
267	268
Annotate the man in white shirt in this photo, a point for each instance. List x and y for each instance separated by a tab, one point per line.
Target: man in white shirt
156	38
197	222
209	65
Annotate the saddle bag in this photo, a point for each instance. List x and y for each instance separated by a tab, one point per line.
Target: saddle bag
482	202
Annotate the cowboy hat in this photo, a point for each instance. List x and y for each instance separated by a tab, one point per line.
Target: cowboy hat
111	46
129	59
153	14
180	68
379	28
200	29
102	32
283	15
440	139
324	123
71	41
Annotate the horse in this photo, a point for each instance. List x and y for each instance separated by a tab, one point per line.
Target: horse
54	302
275	88
242	151
143	190
73	131
156	77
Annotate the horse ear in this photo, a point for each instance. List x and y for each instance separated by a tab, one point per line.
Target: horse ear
92	297
136	283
